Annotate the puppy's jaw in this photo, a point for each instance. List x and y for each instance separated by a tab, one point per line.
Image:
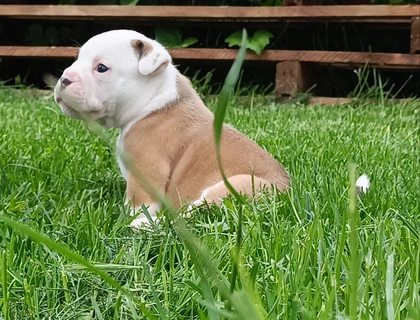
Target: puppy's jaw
69	111
63	106
76	113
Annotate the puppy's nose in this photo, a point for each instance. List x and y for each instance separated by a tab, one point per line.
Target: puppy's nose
65	82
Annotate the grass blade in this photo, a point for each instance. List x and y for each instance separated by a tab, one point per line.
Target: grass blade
38	237
98	313
220	112
5	302
389	293
117	307
162	312
354	245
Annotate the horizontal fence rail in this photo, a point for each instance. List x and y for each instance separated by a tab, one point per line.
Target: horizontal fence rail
383	13
378	60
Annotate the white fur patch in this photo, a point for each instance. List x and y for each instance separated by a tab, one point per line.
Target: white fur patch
127	91
204	193
142	220
153	60
120	149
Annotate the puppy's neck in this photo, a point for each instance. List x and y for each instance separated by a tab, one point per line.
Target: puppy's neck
155	93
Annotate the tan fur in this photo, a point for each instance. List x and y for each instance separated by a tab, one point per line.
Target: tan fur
244	183
142	47
174	147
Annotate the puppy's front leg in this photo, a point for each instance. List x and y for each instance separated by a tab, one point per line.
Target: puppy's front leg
138	196
142	219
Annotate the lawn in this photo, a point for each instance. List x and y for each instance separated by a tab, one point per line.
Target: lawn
303	255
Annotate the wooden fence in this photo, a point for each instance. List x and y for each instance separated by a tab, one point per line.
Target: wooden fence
291	70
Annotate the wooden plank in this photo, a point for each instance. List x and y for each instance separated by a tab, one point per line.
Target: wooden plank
293	77
288	79
339	58
415	36
70	12
328	101
317	2
38	52
331	101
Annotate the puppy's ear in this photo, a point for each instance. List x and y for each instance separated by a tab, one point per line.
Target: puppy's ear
153	57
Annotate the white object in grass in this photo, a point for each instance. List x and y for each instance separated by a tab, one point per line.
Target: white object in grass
362	183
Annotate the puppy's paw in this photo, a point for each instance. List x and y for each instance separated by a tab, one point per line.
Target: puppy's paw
189	210
192	207
142	220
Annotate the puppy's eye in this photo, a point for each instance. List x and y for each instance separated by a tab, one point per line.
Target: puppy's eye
101	68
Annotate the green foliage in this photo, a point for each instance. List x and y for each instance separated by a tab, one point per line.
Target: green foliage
67	2
270	3
371	86
171	37
299	249
256	43
219	114
201	83
129	2
311	254
37	35
65	251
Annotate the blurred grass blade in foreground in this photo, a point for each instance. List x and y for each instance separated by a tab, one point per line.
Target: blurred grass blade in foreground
220	112
39	237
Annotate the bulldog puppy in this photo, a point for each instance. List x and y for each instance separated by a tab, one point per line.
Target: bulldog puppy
125	80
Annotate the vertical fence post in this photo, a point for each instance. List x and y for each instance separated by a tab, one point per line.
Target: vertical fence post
415	35
292	77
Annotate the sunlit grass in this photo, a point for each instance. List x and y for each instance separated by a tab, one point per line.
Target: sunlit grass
58	178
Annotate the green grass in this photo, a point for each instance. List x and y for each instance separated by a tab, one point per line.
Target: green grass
303	255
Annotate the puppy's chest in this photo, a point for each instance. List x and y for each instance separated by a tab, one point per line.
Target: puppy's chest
120	149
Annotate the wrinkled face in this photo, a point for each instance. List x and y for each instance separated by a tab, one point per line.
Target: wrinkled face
110	67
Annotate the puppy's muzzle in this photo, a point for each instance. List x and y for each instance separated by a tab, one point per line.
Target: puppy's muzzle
69	77
65	82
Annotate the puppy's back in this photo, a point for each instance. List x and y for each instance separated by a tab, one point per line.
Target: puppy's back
198	169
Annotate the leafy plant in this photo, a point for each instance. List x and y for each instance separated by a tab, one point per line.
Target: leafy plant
270	3
171	37
37	35
67	2
256	43
129	2
297	247
375	89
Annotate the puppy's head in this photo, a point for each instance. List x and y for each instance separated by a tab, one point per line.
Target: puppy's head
112	69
